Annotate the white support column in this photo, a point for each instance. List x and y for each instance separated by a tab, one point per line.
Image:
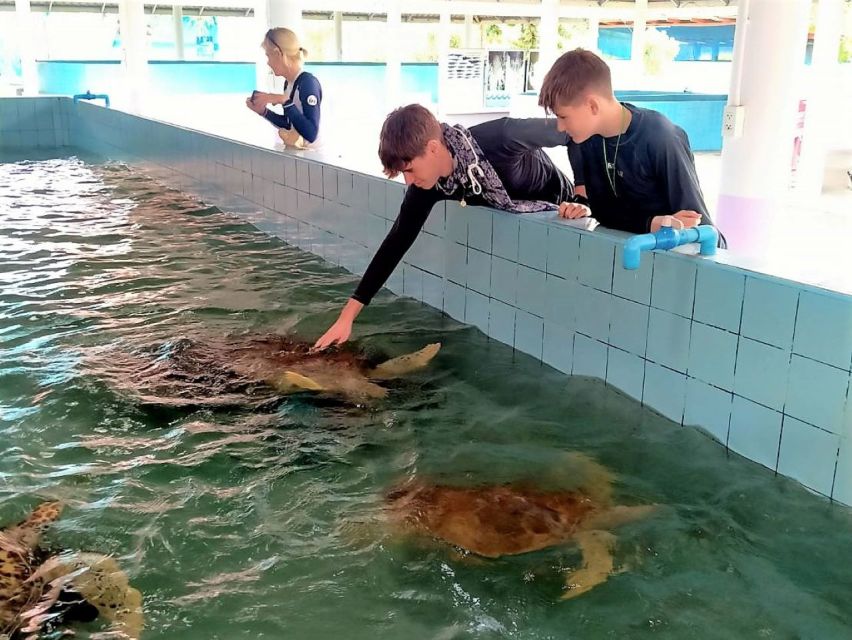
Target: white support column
262	73
548	36
338	36
24	31
824	72
469	41
177	18
393	59
769	53
444	19
637	48
285	13
593	33
134	54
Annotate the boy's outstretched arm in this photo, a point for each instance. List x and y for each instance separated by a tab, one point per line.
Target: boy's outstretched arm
413	212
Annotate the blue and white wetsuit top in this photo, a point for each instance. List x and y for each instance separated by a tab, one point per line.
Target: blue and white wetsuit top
302	108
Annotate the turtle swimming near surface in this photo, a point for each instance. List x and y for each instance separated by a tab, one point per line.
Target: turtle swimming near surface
510	519
38	590
253	370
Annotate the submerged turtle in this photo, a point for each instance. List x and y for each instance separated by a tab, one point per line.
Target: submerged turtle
252	369
39	590
511	519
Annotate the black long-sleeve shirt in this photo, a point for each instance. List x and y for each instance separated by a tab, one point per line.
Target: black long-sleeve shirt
513	146
654	173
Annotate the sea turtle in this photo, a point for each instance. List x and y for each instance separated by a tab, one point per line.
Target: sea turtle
251	369
38	590
509	519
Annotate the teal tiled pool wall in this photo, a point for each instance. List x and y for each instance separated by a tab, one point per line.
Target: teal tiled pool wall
762	364
28	123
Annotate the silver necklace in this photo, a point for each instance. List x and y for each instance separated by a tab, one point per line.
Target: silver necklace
609	167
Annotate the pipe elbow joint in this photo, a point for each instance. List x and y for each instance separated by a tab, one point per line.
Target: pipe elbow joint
708	239
634	247
91	96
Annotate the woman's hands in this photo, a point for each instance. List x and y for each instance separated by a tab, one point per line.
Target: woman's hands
259	100
256	106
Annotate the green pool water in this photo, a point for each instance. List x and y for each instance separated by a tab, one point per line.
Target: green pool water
262	524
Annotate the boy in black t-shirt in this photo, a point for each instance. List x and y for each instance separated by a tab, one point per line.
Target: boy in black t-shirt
632	165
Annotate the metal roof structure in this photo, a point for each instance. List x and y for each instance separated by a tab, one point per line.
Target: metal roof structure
419	10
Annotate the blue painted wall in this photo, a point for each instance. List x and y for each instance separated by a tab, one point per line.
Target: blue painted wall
706	43
699	115
103	76
709	43
69	77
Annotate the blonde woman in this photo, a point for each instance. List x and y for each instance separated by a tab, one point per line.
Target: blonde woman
298	125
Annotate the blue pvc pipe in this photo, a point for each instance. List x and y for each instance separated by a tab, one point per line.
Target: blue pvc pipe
92	96
668	238
635	245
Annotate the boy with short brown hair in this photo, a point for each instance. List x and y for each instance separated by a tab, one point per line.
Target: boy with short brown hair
634	165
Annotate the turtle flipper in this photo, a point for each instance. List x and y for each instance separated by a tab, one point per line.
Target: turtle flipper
28	532
360	390
101	582
16	546
597	562
290	380
402	365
